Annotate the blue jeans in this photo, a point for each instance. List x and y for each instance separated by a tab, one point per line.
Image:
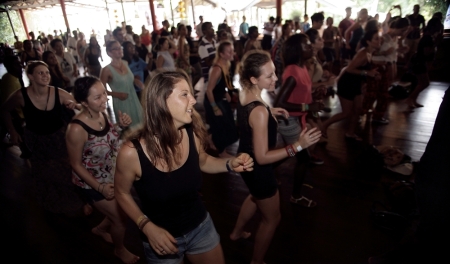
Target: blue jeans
201	239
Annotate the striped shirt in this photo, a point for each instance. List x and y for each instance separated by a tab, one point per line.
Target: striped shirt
206	50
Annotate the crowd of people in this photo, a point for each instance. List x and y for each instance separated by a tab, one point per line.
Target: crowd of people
158	141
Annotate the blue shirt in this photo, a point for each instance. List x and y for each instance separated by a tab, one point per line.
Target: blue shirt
243	28
137	68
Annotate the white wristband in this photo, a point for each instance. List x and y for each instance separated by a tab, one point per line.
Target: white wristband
299	148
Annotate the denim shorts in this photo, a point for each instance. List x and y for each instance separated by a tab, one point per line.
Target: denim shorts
201	239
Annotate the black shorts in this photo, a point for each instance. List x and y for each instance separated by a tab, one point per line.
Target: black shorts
92	196
349	86
261	182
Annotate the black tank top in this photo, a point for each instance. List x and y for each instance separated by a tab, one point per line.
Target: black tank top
29	58
93	58
39	121
219	90
171	199
246	131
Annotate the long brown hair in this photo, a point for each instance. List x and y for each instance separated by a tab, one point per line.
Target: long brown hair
158	130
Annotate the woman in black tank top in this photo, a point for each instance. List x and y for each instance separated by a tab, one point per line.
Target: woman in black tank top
164	161
44	138
350	82
29	53
258	128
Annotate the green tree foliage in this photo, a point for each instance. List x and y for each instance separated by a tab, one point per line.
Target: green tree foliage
437	6
6	33
427	7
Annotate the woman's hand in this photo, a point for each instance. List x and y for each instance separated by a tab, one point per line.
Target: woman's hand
331	81
228	97
217	111
107	190
160	240
121	96
316	106
278	111
309	137
14	137
124	119
243	162
69	104
373	73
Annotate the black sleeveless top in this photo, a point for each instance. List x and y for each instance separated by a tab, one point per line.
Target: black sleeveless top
29	58
39	121
246	132
171	199
92	58
219	89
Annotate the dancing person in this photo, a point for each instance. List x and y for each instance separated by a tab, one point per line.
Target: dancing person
66	62
258	129
164	161
81	47
386	58
182	61
164	59
144	38
243	31
207	50
90	58
121	80
217	100
11	82
355	33
137	66
266	42
276	51
252	40
350	82
57	78
92	143
345	24
30	53
417	24
141	48
44	139
421	62
296	97
331	39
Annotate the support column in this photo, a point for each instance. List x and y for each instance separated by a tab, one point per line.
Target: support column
278	5
24	22
10	22
152	13
63	7
193	13
306	8
107	11
123	11
171	11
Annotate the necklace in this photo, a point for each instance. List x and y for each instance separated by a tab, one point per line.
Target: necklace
258	98
99	122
